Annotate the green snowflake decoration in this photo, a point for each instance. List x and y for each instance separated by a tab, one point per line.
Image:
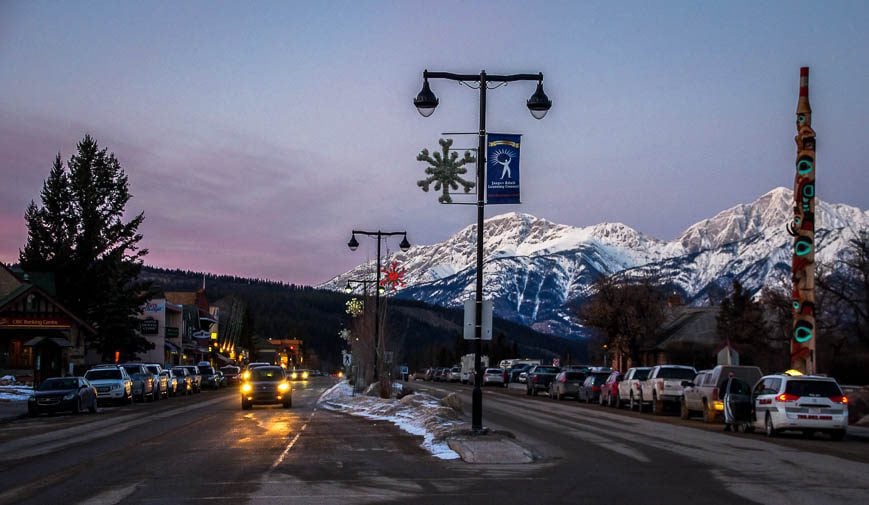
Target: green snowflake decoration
446	170
354	307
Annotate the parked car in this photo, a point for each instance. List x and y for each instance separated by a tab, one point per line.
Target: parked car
186	384
210	379
455	374
704	393
112	383
173	384
493	376
610	390
144	385
60	394
565	384
267	385
195	376
589	392
806	403
162	381
629	387
538	378
232	374
514	371
664	386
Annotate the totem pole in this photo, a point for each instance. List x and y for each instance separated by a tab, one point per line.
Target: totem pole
803	230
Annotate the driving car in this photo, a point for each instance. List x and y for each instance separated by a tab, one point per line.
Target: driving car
246	373
231	373
266	385
59	394
299	375
112	383
807	403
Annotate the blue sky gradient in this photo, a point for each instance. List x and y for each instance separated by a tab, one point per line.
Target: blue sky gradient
256	135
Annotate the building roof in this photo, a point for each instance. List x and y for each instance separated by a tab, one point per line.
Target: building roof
690	326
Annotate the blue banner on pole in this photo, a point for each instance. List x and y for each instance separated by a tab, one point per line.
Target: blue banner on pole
502	174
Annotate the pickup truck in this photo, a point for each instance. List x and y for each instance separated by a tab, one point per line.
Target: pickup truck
704	393
629	387
664	385
538	378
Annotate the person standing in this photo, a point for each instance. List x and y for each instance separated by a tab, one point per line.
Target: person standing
728	409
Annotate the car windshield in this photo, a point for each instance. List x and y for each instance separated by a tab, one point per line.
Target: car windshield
813	388
267	374
206	370
676	373
230	370
102	374
494	370
58	384
575	376
153	369
642	374
178	371
132	369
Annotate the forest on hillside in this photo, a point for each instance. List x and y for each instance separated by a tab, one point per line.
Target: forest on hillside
426	335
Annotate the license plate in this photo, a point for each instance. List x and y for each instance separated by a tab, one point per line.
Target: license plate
814	411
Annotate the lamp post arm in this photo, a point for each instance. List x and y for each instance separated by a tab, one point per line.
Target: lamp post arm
379	234
479	77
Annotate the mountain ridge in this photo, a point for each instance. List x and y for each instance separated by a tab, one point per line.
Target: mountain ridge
535	269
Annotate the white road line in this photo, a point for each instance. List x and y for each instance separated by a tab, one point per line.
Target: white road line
112	496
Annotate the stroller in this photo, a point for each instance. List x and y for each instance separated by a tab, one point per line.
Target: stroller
739	405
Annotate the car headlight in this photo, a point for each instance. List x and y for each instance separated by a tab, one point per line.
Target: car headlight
246	388
246	375
69	396
304	375
283	387
294	375
116	386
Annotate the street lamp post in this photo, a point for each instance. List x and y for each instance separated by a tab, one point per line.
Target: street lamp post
353	245
426	102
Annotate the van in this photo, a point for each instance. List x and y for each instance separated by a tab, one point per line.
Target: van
705	393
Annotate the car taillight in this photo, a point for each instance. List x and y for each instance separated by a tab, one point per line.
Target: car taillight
595	388
839	399
787	397
715	394
535	379
562	379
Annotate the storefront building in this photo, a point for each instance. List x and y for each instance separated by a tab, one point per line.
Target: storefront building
39	338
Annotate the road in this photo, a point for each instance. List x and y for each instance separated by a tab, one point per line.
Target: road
205	449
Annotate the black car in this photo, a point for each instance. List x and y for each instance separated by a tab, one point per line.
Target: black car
538	378
232	374
267	385
60	394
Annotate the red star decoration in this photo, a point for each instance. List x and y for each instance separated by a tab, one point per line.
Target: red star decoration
394	276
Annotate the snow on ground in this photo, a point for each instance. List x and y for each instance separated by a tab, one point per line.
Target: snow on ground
15	393
418	414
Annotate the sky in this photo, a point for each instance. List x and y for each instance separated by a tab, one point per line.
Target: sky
257	135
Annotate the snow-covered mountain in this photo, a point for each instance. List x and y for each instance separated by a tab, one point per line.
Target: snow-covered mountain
534	267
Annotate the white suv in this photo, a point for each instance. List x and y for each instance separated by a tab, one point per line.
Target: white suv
112	382
807	403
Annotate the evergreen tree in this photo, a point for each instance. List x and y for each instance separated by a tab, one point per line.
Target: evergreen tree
80	235
743	323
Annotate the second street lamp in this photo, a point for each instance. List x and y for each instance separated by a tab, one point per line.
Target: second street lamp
426	102
353	244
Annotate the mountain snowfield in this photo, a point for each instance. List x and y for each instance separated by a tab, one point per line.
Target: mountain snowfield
534	267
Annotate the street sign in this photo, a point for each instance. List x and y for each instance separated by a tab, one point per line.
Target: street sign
556	362
348	359
470	316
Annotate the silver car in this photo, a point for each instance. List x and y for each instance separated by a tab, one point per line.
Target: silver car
112	382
